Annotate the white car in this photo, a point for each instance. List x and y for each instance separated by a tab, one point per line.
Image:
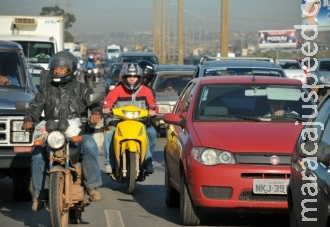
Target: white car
293	69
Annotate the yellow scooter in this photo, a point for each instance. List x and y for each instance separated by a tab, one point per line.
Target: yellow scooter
130	145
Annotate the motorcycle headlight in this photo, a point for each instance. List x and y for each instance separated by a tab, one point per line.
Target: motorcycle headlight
131	114
89	71
209	156
56	139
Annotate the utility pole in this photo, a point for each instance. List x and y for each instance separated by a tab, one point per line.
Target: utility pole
156	41
163	58
224	28
180	32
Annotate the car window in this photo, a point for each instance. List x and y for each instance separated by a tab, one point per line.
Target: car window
326	134
316	128
290	65
10	66
324	66
230	71
179	104
172	83
219	102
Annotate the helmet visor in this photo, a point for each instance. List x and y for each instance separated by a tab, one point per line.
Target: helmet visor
55	63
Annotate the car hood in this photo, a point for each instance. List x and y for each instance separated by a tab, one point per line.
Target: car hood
8	97
257	137
162	97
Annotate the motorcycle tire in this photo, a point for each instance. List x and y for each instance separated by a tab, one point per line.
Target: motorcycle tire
58	217
131	171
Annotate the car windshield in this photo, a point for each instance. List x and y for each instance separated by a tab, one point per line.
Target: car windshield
228	71
219	102
113	50
324	66
10	67
37	52
136	59
290	65
114	72
172	83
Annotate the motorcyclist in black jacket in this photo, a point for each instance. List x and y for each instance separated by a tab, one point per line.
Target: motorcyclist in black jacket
64	98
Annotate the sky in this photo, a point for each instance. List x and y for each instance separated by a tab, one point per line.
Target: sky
104	16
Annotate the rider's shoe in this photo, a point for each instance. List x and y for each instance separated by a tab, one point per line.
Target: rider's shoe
149	169
108	170
95	195
38	205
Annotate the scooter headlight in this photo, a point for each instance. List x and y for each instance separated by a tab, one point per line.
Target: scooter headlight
56	139
131	114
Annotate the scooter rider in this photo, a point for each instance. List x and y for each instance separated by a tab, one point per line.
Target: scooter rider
90	63
148	76
122	95
64	98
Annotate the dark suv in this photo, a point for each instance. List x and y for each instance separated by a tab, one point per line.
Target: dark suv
309	186
238	66
15	144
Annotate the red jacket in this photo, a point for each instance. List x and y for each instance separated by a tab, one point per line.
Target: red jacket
122	94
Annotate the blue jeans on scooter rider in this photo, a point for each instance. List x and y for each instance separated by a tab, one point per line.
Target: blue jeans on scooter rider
130	92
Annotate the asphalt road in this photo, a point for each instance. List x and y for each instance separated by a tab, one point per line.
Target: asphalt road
146	207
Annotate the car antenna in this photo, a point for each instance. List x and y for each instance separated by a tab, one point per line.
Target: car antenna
253	78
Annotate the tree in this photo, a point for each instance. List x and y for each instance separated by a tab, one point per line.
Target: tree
69	19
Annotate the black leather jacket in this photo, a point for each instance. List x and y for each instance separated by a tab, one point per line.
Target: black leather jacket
64	101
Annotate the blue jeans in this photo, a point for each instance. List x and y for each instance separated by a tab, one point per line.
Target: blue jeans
90	166
110	159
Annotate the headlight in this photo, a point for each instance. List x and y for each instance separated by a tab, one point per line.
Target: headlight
164	108
17	126
131	114
89	71
209	156
21	137
56	139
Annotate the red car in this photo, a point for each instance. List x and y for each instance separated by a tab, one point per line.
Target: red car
228	143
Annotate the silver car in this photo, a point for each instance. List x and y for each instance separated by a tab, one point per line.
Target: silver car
292	69
167	85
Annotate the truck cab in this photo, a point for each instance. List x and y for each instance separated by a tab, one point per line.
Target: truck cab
15	144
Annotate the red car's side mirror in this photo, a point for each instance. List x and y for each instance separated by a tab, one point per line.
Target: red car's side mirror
174	119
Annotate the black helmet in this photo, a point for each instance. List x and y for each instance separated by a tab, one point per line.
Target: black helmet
63	59
132	69
148	70
90	57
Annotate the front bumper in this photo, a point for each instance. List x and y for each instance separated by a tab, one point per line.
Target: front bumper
231	186
11	159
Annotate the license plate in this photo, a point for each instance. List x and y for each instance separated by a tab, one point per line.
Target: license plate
270	186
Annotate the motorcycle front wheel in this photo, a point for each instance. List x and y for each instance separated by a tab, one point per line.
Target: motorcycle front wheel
58	216
131	171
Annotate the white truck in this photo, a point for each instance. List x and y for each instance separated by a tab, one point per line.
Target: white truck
113	50
35	34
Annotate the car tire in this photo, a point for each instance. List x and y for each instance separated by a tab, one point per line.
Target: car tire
293	218
172	196
189	213
22	184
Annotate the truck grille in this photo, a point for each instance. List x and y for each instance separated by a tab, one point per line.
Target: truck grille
217	192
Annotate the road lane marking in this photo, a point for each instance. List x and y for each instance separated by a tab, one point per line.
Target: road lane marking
114	218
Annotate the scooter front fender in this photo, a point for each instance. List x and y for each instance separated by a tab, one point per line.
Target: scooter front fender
57	169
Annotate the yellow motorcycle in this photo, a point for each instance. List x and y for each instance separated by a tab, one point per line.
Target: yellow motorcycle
130	145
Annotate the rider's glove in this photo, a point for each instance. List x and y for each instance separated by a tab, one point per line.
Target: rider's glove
95	117
27	125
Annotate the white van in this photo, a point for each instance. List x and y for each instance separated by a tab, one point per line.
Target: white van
113	51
